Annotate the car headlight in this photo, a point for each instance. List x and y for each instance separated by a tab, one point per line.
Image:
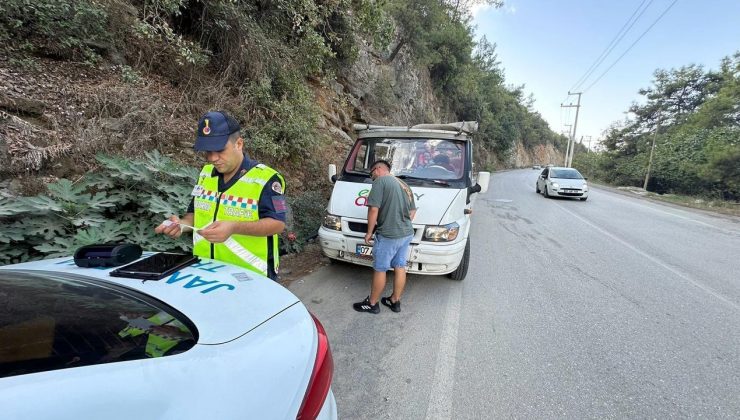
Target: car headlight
585	187
332	222
555	185
444	233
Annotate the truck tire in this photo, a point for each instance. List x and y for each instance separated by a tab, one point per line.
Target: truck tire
462	269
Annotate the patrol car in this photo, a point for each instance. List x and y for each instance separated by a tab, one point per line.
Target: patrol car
210	341
436	161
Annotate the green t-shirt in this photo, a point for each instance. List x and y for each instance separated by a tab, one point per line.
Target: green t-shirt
394	205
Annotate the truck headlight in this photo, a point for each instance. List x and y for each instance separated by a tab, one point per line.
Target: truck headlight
444	233
332	222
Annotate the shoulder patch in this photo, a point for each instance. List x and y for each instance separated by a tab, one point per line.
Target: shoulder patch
277	187
278	202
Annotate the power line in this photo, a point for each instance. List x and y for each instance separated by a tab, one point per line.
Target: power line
612	44
630	47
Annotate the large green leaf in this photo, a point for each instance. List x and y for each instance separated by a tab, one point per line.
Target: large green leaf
162	206
41	204
66	190
12	206
101	200
58	247
89	219
12	232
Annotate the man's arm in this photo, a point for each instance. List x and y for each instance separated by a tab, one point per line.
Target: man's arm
372	220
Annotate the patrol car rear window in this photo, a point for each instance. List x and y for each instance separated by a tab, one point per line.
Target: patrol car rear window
51	321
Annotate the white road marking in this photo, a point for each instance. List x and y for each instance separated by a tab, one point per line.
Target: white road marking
440	398
653	208
655	260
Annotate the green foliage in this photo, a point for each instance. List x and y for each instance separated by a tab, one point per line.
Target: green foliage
284	118
695	115
64	28
122	202
306	214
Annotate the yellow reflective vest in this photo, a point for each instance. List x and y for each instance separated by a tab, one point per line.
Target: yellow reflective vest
239	203
156	346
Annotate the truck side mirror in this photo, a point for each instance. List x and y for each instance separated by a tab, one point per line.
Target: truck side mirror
483	180
480	186
332	173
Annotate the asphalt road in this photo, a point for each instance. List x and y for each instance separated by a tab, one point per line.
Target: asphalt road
616	307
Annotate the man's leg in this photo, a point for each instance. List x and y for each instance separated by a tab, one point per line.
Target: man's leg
399	268
399	283
379	279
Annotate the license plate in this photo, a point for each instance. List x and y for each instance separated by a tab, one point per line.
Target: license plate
364	250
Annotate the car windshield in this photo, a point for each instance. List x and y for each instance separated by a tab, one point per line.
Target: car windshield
52	321
565	174
415	160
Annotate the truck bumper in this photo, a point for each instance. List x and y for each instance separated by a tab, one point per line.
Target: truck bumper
424	257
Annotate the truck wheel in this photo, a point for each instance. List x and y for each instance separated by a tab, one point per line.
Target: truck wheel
462	269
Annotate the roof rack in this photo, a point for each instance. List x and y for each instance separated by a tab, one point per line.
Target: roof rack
468	127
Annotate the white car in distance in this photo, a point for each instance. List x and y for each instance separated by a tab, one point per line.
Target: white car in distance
557	181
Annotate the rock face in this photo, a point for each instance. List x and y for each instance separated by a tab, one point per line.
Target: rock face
389	92
379	91
539	155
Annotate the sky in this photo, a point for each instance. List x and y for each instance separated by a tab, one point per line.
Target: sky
548	45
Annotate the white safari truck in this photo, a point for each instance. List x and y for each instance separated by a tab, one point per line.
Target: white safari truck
436	161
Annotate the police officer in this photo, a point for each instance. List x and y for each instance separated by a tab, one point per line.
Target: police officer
238	206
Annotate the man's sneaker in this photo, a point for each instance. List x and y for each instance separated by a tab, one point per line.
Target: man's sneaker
365	306
395	306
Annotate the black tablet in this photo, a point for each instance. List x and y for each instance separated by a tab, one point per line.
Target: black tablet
155	267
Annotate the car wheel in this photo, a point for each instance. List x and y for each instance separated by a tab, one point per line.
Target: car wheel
584	198
544	191
462	269
537	188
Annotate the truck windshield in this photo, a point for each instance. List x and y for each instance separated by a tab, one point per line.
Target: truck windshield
416	160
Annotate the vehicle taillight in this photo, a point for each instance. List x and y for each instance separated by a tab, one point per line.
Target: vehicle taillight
318	385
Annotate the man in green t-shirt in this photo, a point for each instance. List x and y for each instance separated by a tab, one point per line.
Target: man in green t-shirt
391	208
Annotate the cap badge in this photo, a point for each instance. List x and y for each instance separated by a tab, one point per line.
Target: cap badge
206	129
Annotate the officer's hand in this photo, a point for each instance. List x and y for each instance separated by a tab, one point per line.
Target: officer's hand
173	230
368	238
217	232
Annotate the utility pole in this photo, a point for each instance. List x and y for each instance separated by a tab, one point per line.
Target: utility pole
569	156
567	148
652	151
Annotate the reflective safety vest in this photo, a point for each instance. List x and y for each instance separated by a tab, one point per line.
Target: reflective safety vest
156	345
239	203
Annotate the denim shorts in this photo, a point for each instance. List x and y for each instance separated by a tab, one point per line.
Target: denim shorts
390	252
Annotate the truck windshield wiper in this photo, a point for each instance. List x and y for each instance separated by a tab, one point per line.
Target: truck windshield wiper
415	178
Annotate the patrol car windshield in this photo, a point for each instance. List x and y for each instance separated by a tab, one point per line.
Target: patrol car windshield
418	161
52	321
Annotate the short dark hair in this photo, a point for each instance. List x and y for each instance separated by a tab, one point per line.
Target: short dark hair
441	159
234	136
384	162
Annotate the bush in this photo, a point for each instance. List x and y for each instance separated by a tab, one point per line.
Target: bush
63	28
123	202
